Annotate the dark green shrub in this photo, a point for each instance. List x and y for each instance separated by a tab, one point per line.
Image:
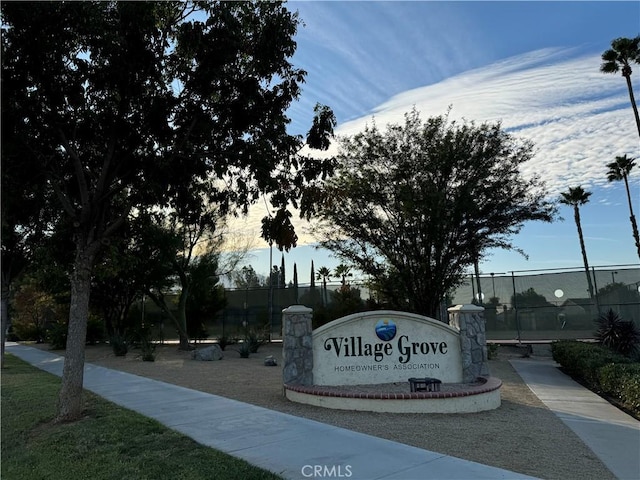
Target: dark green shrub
584	359
630	339
29	332
603	370
33	311
345	301
590	365
149	353
320	317
492	351
147	347
223	341
617	334
119	345
95	330
196	330
244	350
565	352
622	381
630	391
255	339
57	336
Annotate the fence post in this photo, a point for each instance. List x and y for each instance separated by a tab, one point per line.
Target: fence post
297	345
515	306
595	291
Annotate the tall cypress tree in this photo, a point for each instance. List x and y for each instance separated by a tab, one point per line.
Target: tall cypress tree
283	278
313	276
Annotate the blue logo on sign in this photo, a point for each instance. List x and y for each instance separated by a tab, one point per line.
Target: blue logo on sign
386	330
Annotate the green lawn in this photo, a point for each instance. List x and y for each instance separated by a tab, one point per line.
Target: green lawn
108	443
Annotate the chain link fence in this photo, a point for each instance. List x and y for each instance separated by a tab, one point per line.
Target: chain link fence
553	304
525	306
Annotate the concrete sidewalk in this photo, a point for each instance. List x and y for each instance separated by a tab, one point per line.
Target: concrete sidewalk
611	434
293	447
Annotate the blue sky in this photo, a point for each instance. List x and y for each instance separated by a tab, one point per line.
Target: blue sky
534	66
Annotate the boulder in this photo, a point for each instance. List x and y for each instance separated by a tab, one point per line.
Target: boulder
270	361
208	354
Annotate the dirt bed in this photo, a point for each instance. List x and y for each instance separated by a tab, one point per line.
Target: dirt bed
522	435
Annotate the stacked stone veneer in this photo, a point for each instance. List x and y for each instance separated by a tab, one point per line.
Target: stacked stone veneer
469	320
297	346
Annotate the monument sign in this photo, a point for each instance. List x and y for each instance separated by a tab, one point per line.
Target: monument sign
385	347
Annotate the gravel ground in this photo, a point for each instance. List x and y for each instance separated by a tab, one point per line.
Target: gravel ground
522	435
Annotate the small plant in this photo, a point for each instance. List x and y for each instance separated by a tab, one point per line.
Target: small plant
492	351
619	335
255	340
147	346
244	350
119	345
528	351
223	341
148	354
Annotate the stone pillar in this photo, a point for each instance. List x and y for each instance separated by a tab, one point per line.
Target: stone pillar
469	320
297	346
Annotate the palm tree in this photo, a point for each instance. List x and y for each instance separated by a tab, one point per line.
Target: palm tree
575	197
622	53
324	274
343	271
619	170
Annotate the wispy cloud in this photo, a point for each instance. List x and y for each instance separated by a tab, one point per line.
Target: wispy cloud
578	118
357	54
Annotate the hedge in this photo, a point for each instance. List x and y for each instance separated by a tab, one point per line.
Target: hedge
603	370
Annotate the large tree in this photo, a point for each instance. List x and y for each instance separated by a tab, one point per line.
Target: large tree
21	223
414	205
179	251
23	212
122	105
247	278
118	282
623	52
576	197
620	170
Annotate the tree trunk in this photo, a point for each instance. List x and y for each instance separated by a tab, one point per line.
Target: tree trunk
632	218
633	101
181	319
634	228
476	270
184	342
4	315
70	398
324	286
584	251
